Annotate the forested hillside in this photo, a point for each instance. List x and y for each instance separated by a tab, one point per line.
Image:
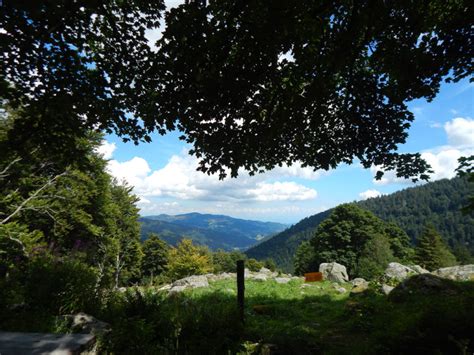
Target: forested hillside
214	231
437	203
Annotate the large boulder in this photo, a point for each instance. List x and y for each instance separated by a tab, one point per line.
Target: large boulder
458	273
359	286
423	284
419	269
358	281
398	272
334	272
194	281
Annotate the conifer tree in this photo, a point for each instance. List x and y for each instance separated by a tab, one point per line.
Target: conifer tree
431	251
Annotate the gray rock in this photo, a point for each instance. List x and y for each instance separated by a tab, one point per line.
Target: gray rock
177	289
260	277
282	280
85	324
227	275
340	289
419	269
264	270
247	273
360	287
386	289
398	272
165	288
194	281
426	284
358	281
458	273
334	272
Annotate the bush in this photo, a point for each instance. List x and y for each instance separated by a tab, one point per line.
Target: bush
59	285
188	259
254	265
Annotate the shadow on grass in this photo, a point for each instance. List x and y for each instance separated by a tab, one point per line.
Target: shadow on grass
296	319
295	322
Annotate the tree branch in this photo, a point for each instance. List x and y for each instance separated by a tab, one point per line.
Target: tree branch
3	173
32	196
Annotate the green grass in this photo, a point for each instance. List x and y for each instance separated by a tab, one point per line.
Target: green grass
297	318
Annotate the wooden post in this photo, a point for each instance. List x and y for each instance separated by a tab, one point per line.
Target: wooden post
240	287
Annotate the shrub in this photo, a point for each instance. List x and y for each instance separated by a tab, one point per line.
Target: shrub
188	259
59	285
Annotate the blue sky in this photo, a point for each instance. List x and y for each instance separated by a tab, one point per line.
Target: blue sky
165	178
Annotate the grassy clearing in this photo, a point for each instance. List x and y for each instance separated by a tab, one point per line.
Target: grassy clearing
298	318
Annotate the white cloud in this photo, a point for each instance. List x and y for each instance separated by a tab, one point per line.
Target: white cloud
179	179
132	171
154	34
106	149
296	170
444	159
370	194
281	191
460	132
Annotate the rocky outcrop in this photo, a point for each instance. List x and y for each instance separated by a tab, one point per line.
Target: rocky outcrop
194	281
334	272
85	324
425	284
399	272
197	281
458	273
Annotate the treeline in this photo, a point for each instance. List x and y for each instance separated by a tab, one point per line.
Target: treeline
69	232
163	263
366	244
67	229
438	204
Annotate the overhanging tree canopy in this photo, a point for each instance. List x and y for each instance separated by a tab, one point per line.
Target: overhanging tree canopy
221	77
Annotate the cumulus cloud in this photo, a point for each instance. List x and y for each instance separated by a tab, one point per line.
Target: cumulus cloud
370	194
281	191
443	160
179	179
133	171
106	149
460	132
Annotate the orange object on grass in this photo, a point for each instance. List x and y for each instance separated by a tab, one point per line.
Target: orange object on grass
313	276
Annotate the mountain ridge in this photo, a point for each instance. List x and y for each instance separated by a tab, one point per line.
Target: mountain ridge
215	231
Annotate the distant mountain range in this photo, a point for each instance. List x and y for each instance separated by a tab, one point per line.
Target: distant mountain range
215	231
437	203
